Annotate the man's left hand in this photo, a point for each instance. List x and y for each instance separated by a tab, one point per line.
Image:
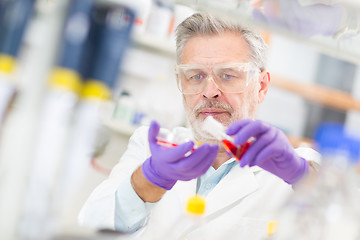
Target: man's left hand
271	150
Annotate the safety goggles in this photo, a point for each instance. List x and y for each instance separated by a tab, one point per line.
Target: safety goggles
227	77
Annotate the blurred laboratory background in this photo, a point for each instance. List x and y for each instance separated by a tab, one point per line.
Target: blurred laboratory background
77	77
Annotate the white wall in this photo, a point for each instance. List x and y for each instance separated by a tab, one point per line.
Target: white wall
296	62
353	117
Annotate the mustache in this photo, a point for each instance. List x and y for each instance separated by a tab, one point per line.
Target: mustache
212	104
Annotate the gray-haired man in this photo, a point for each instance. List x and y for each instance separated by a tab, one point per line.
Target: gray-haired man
221	73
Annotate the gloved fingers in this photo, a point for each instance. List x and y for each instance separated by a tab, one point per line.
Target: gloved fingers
236	126
156	177
197	160
201	166
253	129
178	152
266	156
271	152
207	161
153	132
187	163
259	145
245	160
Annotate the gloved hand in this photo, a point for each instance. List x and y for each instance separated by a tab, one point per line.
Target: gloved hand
167	165
271	150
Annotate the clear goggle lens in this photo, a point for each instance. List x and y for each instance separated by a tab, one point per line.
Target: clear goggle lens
228	78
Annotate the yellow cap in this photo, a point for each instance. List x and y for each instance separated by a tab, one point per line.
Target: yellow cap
196	205
272	227
97	90
66	78
7	63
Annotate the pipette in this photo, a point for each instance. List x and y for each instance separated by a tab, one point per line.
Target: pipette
217	130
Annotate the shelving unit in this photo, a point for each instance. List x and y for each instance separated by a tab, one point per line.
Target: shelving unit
119	127
317	93
148	42
346	48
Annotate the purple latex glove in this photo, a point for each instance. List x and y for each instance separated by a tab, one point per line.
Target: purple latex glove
271	150
167	165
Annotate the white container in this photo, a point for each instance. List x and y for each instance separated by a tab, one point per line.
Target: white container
160	19
142	10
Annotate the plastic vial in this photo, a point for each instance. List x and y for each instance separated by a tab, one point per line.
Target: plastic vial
173	139
217	130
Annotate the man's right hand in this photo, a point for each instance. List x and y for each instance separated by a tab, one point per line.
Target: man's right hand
167	165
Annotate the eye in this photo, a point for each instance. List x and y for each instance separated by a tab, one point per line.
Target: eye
197	77
230	74
227	76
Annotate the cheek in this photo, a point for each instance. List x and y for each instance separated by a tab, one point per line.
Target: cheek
237	101
190	101
244	105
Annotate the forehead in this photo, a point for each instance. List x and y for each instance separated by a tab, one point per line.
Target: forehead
214	49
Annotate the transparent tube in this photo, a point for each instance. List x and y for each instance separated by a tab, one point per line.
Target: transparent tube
173	139
217	130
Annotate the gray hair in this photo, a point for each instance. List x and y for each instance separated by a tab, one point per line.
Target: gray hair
202	24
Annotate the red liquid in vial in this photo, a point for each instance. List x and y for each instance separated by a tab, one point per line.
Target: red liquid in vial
166	144
169	144
237	152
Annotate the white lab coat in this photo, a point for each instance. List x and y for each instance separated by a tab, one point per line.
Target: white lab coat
239	207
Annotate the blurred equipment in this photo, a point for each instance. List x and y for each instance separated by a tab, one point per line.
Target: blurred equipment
327	206
40	173
55	121
111	26
14	17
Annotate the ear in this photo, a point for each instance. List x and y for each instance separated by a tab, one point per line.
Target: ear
264	81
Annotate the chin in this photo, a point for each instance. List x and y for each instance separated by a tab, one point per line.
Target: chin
200	135
224	120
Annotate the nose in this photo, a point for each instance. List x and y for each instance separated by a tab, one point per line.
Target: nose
211	90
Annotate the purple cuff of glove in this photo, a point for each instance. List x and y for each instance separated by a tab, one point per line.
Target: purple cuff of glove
301	171
151	175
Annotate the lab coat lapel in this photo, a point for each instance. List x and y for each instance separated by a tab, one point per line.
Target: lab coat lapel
185	190
237	184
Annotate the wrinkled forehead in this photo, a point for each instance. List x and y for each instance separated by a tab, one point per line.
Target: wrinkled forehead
215	49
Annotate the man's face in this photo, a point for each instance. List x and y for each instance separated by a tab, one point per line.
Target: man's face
224	107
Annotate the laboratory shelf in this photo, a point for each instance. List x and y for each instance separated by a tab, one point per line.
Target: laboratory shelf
346	47
162	46
334	98
119	127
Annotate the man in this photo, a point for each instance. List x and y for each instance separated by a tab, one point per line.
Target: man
221	73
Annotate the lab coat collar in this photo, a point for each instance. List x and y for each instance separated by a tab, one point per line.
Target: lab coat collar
253	169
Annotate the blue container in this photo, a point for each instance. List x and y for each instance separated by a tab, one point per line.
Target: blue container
331	138
14	19
76	34
109	39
